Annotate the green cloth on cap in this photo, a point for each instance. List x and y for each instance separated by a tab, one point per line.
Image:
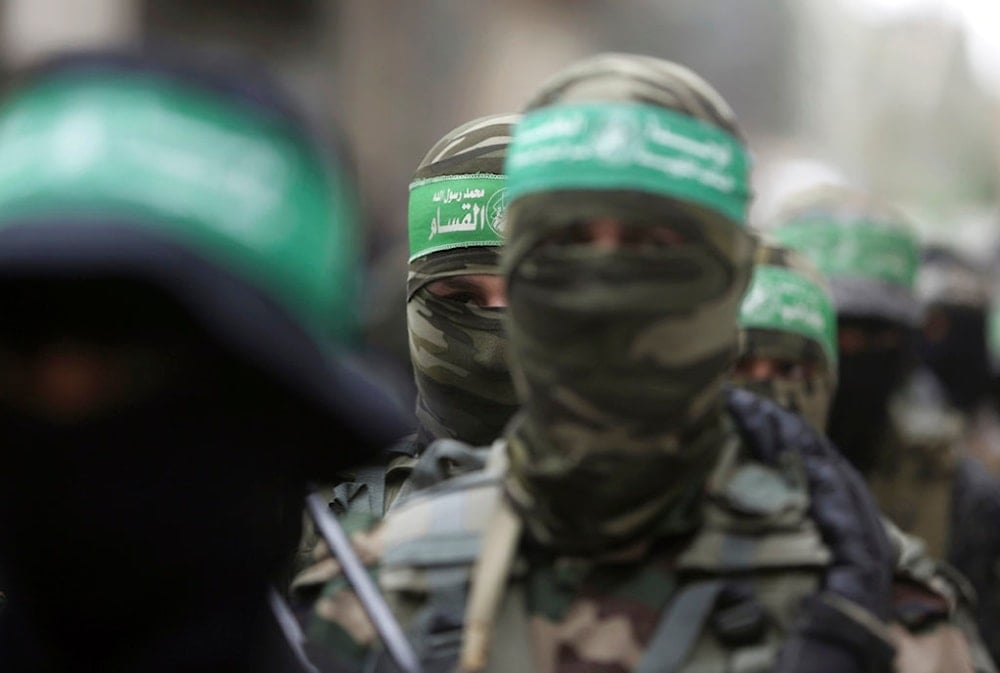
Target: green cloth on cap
456	211
856	249
785	301
236	184
632	146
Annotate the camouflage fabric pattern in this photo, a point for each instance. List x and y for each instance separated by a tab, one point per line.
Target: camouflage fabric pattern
619	355
459	354
598	614
808	396
458	351
450	263
629	492
853	295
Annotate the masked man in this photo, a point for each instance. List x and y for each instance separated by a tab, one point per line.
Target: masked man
177	278
789	354
887	416
633	516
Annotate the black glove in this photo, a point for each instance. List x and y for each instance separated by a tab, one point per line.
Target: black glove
843	628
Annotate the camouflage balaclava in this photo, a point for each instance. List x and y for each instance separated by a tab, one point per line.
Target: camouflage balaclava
620	355
870	254
788	315
456	220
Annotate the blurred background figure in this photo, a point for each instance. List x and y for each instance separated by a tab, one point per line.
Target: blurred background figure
788	353
954	346
890	416
869	254
955	297
788	335
178	279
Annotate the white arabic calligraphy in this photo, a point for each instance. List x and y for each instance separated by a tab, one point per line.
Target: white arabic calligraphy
474	218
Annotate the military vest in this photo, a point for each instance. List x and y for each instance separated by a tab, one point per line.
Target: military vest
722	599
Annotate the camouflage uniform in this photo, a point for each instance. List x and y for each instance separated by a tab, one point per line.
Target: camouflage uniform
184	213
791	318
910	449
633	516
458	350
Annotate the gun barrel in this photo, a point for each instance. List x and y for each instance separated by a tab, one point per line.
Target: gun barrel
364	587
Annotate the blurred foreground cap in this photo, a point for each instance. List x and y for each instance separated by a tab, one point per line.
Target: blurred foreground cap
206	184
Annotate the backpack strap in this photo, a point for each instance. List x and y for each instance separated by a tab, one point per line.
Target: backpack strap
679	627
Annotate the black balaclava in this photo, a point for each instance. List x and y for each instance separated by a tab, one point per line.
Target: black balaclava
859	415
149	521
869	252
953	341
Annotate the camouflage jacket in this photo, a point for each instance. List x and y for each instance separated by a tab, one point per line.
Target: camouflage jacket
927	602
366	491
724	598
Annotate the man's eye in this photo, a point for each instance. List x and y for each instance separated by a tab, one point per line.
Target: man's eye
462	297
574	234
657	237
743	366
789	370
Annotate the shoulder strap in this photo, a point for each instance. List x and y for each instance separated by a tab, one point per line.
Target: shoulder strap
365	493
679	627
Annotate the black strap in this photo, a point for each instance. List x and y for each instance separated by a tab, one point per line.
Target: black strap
364	493
679	627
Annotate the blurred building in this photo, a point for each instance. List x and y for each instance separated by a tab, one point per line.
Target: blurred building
893	105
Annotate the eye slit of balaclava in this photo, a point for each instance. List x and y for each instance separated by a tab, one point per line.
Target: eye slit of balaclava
624	234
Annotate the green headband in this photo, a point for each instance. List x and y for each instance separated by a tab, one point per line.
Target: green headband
456	211
233	183
782	300
630	146
856	249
